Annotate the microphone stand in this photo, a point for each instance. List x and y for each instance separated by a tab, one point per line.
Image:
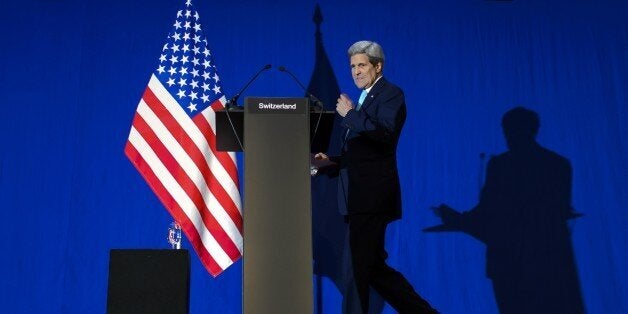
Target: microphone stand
232	103
317	103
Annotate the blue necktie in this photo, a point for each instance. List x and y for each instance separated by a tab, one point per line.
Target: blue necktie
360	101
362	97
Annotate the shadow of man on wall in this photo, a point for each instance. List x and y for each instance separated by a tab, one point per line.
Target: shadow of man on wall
522	217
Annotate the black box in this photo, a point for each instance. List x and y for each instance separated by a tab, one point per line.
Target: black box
148	281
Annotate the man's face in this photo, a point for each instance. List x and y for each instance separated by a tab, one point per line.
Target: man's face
363	72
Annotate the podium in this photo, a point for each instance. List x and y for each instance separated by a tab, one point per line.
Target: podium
277	202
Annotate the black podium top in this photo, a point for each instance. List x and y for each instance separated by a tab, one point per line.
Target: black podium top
321	124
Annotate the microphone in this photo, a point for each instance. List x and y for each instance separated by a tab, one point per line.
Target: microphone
233	102
317	102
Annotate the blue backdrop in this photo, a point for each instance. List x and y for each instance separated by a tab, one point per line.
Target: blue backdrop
72	73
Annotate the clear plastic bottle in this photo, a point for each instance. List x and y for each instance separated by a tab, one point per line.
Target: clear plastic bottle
174	235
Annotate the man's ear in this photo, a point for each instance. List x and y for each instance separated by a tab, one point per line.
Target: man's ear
378	68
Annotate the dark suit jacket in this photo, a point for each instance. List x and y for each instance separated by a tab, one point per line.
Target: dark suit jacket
369	181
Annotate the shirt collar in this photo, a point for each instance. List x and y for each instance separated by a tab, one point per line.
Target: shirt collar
368	90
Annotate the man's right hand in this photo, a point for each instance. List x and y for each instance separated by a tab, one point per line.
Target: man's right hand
344	104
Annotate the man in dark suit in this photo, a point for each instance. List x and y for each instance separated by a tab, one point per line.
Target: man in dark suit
369	192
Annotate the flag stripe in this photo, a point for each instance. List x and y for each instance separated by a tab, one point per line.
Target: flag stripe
179	197
197	137
233	211
175	210
205	122
191	188
228	207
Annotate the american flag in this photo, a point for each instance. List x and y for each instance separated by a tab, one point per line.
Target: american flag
172	143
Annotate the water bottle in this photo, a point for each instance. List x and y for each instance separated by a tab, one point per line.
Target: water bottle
174	235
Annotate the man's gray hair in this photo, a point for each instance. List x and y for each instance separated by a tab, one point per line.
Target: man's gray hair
372	50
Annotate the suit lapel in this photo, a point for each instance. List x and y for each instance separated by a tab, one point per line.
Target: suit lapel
370	97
